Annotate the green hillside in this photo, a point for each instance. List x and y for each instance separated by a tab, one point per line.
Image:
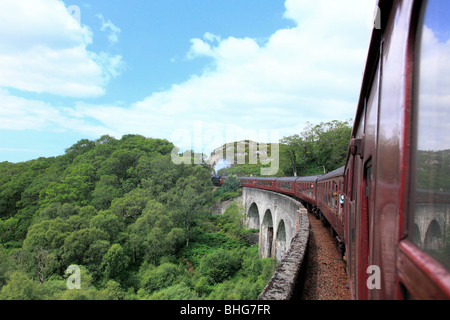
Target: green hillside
136	226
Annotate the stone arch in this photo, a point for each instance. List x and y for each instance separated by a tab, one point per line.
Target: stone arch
266	235
416	236
253	217
433	237
281	241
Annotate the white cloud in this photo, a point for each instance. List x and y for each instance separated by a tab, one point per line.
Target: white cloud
113	36
310	72
43	49
26	114
434	100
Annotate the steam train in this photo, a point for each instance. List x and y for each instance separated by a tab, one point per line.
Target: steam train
389	206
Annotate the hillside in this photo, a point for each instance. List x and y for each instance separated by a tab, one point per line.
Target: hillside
247	157
134	224
316	150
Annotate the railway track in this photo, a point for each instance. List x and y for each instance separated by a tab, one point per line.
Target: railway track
326	277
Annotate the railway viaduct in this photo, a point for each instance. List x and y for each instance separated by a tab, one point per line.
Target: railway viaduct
276	216
431	224
283	233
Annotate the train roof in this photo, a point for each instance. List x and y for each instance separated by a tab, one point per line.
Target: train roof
264	178
287	179
332	174
308	178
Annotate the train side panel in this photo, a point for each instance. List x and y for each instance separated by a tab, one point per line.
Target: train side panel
381	202
286	185
330	188
373	166
305	189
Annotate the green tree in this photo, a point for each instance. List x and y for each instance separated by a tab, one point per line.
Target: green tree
319	148
191	198
112	291
130	206
115	262
20	287
157	278
106	190
293	147
332	144
231	188
153	232
80	148
48	235
219	265
85	247
179	291
110	223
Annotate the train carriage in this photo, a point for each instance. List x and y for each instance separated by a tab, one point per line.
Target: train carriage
398	147
286	185
266	183
249	182
330	189
394	216
305	190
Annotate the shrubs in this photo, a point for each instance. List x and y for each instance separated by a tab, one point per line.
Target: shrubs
231	188
219	265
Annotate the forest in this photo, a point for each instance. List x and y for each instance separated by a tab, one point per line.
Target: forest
135	225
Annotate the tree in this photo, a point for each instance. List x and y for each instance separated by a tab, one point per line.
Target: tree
110	223
191	198
48	235
85	246
319	148
46	264
332	145
20	287
106	190
74	189
114	263
231	188
153	232
80	147
219	265
113	291
293	147
130	206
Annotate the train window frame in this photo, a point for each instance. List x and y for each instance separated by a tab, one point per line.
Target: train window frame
421	275
416	60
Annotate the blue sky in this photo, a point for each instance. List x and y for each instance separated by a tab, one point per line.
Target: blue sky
197	73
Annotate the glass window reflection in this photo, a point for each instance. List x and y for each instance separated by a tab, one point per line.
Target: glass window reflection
430	228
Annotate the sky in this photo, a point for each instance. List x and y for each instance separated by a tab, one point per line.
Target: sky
197	73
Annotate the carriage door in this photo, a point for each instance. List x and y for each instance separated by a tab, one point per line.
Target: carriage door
367	205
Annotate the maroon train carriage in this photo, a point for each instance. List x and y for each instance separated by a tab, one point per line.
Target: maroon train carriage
396	180
399	147
305	190
330	189
266	183
285	185
249	182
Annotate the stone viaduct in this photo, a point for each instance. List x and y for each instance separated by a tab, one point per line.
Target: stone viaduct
283	233
431	225
276	217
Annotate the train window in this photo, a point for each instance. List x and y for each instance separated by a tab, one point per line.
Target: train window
430	223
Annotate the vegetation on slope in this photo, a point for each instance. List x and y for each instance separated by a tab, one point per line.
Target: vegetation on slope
137	226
